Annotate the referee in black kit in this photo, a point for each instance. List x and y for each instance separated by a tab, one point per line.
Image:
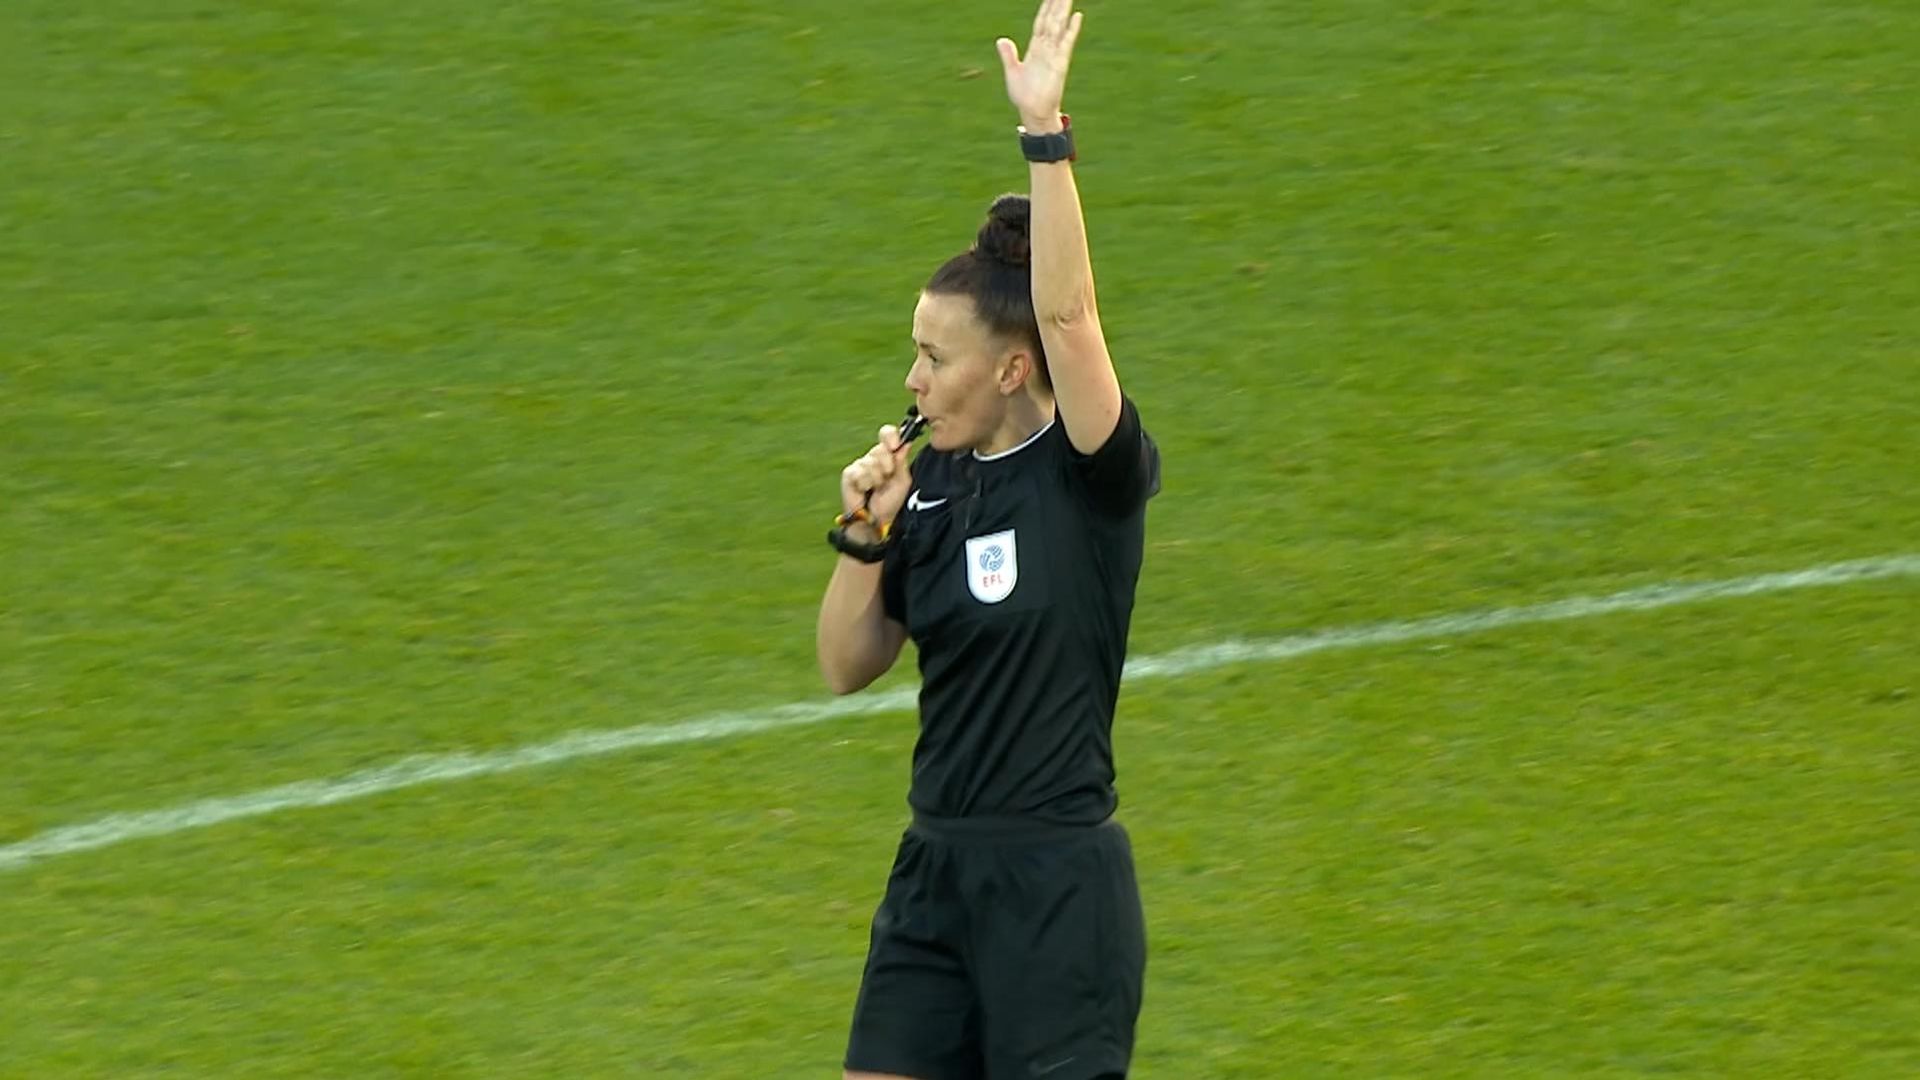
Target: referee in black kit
1010	941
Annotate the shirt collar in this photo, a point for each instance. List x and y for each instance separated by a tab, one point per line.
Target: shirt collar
1030	440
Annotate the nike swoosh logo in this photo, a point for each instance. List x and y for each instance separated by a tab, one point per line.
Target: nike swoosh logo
915	502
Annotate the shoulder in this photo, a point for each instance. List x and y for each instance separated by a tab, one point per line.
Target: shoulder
1124	472
1128	429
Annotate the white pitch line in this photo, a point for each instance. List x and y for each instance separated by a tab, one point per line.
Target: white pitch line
437	768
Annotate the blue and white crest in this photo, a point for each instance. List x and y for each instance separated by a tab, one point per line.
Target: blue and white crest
993	566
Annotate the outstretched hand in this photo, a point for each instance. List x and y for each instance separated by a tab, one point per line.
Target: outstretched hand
1037	84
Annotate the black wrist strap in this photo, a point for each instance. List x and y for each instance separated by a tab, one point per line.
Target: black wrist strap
866	552
1046	149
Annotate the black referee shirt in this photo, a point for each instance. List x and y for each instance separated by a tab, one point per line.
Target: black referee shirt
1014	574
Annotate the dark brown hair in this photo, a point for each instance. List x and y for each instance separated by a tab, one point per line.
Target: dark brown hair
996	273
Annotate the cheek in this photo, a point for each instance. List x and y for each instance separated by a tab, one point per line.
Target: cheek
960	383
951	397
939	389
946	398
960	396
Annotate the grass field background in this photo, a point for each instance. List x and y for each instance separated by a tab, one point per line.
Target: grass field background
381	379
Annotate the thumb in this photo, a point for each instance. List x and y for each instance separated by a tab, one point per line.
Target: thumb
890	438
1009	54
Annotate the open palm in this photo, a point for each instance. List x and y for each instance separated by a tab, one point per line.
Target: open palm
1037	84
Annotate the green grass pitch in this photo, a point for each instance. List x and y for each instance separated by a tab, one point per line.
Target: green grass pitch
394	378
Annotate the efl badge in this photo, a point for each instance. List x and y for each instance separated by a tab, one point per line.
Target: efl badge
993	566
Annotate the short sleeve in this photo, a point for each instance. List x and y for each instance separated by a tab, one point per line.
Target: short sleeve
1124	473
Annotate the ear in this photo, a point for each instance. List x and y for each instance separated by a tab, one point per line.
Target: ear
1013	370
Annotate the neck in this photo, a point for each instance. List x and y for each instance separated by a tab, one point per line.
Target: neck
1026	414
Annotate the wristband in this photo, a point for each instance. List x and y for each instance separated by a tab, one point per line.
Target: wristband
1045	149
864	551
847	545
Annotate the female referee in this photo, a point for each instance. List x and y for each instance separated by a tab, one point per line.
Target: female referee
1009	942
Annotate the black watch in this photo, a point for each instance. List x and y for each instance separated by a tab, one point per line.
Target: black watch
847	545
1046	149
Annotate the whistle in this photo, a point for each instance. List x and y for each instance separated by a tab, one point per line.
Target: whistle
912	426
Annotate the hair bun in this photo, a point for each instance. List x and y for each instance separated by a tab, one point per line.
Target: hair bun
1004	238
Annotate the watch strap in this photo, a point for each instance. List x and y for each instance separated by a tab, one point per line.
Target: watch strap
1045	149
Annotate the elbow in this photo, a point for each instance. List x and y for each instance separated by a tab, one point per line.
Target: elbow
851	663
1065	313
840	680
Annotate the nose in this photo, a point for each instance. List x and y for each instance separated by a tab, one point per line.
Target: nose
915	382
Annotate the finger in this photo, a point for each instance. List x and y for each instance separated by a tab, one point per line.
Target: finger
1009	54
1073	31
1057	12
890	438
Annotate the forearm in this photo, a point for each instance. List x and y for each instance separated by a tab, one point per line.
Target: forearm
1062	266
855	641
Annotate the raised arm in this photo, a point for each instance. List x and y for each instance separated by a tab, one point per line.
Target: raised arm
1086	390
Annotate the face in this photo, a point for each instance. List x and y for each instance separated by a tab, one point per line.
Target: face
962	374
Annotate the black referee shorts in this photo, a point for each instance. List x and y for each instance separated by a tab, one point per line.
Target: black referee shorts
1003	950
